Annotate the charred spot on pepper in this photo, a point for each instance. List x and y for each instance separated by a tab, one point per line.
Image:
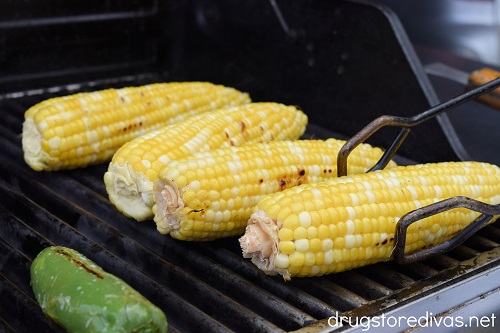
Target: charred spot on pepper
78	263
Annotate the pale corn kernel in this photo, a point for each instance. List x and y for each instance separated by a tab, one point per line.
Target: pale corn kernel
285	234
312	232
315	245
320	258
198	226
341	229
349	241
286	247
284	213
350	228
324	232
327	244
297	207
310	259
291	221
435	228
282	261
329	257
302	245
339	243
294	270
342	213
304	218
297	259
333	231
315	270
324	217
284	201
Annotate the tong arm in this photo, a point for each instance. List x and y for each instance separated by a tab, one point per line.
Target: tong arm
487	213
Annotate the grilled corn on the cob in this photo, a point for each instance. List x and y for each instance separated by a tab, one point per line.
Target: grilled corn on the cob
211	195
343	223
87	128
134	167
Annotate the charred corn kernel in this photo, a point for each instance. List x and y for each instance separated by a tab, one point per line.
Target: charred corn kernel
253	170
353	236
81	297
135	166
87	128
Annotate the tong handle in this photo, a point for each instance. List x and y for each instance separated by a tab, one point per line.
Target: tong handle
406	124
480	77
487	213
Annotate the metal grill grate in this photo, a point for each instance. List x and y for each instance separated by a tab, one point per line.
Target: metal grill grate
205	287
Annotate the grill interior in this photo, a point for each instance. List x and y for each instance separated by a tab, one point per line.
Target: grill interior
209	287
200	286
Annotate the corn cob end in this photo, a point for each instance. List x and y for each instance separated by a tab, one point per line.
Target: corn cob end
34	155
123	191
168	206
260	244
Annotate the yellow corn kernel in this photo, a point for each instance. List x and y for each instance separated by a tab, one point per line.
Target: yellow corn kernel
360	239
135	166
253	170
87	128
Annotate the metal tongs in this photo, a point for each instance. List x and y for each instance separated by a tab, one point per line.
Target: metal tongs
406	123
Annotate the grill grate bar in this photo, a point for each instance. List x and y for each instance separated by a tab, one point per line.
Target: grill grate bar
299	297
491	231
387	276
441	262
482	243
249	295
361	285
416	271
22	314
463	253
331	293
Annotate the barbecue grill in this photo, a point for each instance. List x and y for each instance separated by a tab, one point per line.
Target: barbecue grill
343	62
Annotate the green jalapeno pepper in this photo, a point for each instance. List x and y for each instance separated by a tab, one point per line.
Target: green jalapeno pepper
81	297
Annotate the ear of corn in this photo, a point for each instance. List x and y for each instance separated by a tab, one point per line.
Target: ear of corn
350	221
212	194
87	128
134	167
